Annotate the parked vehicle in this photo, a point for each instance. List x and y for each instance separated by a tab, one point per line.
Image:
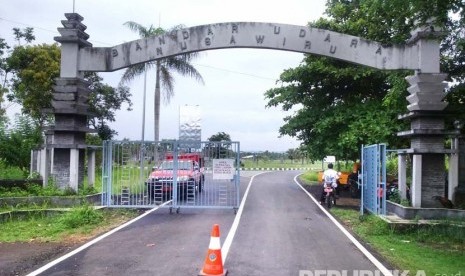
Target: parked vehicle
189	176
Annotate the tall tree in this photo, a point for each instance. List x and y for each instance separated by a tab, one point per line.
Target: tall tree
344	105
180	64
3	75
34	69
220	146
219	137
26	34
104	101
16	142
452	61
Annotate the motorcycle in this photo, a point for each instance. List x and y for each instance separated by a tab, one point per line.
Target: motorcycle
330	198
392	191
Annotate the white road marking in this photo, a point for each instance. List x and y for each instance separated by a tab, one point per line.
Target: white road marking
84	246
370	257
232	231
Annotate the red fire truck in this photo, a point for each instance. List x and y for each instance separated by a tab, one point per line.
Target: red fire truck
189	175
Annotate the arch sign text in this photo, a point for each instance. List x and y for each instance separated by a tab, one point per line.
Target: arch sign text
250	35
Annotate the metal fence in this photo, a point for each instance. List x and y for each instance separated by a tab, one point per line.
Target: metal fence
174	174
373	190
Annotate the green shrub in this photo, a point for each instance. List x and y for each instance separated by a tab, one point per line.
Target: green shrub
81	216
395	197
391	166
87	191
12	192
68	191
7	172
33	189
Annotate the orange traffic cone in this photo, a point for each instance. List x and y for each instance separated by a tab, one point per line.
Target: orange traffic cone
213	261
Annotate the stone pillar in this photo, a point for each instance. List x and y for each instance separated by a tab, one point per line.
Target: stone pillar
41	162
34	161
426	137
426	120
415	189
44	159
70	107
402	175
74	169
90	167
453	170
459	194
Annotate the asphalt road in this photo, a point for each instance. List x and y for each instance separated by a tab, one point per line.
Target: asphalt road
281	231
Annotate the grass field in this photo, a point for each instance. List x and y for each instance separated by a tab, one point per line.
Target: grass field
82	221
435	249
285	163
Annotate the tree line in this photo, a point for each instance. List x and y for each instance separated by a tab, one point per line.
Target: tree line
344	106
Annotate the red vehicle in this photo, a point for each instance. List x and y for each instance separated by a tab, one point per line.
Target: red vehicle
189	176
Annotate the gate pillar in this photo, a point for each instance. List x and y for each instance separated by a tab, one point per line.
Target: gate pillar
402	175
459	192
70	107
426	137
426	118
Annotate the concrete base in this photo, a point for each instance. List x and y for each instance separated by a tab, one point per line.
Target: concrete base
412	213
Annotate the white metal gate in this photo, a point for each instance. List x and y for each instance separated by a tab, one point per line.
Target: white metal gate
174	174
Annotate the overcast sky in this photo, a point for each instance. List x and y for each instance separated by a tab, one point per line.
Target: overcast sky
232	99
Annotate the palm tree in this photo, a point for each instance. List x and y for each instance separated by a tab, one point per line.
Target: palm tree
164	68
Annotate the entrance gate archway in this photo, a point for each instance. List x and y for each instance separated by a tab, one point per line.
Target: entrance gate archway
420	53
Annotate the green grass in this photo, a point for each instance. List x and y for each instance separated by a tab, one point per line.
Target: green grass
10	173
310	177
37	190
286	163
80	221
436	249
127	176
25	206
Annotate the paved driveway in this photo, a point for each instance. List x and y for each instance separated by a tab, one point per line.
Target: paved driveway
279	230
